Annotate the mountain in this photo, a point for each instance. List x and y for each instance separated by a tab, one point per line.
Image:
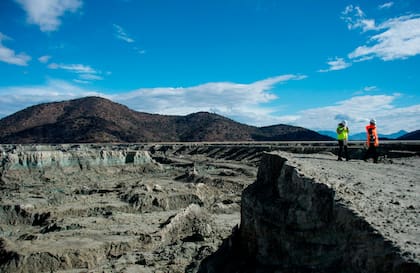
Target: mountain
415	135
286	132
362	136
331	134
394	135
95	119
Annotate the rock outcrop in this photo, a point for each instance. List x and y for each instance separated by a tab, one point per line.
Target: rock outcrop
69	156
303	217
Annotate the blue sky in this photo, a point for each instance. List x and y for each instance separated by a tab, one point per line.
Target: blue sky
260	62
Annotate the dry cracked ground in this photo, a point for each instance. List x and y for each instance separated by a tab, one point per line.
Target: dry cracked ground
163	214
128	208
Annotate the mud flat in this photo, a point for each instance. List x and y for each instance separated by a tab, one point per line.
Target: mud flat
169	207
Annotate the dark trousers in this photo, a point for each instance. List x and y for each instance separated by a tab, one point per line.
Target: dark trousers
341	145
371	153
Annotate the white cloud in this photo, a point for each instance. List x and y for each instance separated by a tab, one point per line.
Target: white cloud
242	101
399	39
76	68
81	81
358	110
336	64
386	5
366	90
47	13
139	50
90	77
84	72
121	34
356	18
44	59
396	38
370	88
8	55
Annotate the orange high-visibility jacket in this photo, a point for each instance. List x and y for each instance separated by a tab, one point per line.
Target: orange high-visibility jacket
372	136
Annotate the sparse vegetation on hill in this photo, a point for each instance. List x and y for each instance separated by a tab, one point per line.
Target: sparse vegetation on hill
94	119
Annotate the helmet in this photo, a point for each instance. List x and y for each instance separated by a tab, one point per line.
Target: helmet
344	122
373	121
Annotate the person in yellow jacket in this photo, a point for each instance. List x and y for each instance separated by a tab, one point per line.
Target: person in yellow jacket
372	141
342	137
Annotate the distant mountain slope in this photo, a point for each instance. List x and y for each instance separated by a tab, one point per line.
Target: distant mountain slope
331	134
94	119
415	135
362	136
286	132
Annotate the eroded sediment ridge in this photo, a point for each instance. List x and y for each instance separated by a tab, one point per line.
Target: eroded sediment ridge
305	213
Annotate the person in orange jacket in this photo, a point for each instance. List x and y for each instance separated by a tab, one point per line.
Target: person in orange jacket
372	141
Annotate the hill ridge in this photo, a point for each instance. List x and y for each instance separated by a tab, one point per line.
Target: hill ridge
96	119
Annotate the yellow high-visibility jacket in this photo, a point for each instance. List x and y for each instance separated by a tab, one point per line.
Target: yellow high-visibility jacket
342	132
